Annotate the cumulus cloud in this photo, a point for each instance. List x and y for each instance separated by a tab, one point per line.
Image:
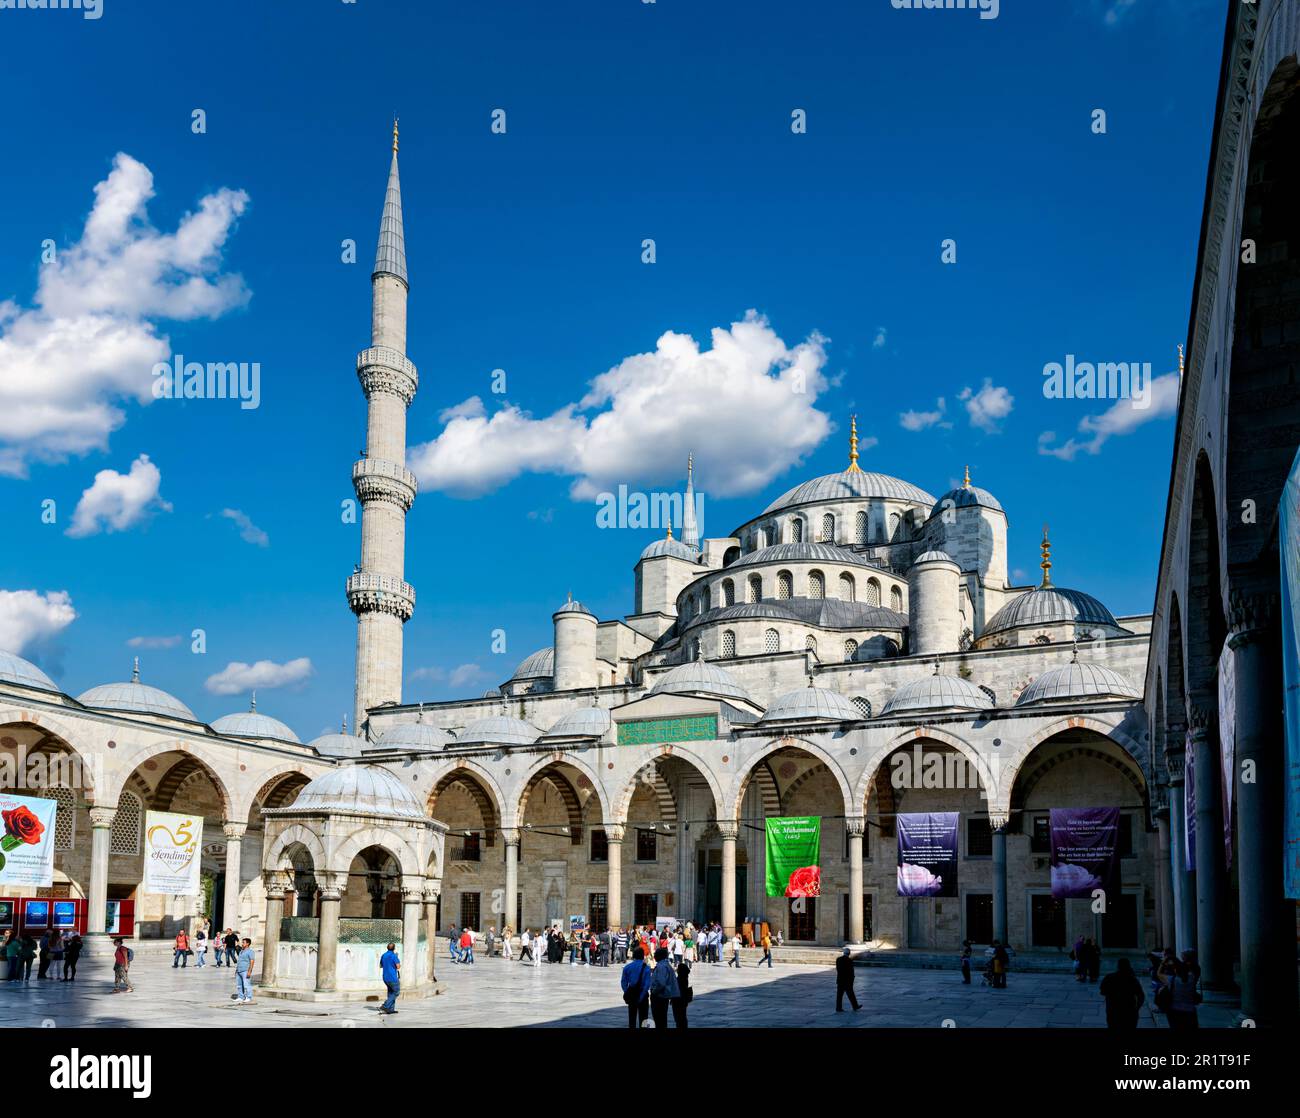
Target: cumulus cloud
237	677
90	339
914	420
154	642
28	617
248	531
987	407
114	502
638	421
1122	418
460	676
878	342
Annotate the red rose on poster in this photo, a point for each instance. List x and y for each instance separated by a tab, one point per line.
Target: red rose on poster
805	882
23	825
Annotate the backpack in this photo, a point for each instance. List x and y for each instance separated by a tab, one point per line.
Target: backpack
130	956
632	995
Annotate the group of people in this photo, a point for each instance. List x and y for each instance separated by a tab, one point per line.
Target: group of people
649	991
589	947
1087	959
53	950
997	962
226	946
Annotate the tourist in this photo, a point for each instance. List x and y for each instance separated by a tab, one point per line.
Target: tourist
525	946
244	972
1000	964
201	947
1094	960
26	956
684	995
574	948
767	951
70	956
539	948
620	946
218	948
635	981
1124	996
1181	996
466	945
734	961
56	954
965	961
844	982
663	988
606	946
489	940
390	967
453	943
1078	954
181	958
123	957
45	956
507	934
12	949
232	947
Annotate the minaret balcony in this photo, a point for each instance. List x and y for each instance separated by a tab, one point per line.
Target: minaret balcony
384	369
375	593
376	479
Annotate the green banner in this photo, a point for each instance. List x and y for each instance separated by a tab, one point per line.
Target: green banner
794	853
656	731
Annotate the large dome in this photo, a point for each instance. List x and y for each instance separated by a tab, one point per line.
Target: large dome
824	613
500	729
1078	681
699	677
1049	605
250	724
803	553
14	669
137	698
811	703
339	745
848	485
415	736
366	789
937	692
588	722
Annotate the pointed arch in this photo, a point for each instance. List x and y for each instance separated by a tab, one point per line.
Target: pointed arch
876	759
736	793
542	762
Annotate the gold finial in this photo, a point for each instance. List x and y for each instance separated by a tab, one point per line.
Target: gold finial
1046	564
853	443
394	133
966	484
1180	360
670	526
690	463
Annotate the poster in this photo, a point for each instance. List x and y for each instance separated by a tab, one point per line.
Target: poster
1288	533
794	854
65	914
1227	743
26	840
1085	850
1189	805
927	853
36	914
171	853
6	914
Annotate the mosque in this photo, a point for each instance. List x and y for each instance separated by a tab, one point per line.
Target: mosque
624	772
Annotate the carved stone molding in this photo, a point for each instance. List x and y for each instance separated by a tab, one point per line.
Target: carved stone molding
102	817
375	479
856	825
729	830
1252	616
382	369
375	593
234	830
615	832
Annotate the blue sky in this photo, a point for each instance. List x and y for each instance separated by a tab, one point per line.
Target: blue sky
625	121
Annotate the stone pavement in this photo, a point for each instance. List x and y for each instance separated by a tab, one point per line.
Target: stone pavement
496	993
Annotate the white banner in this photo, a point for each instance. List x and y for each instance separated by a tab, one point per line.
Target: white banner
172	845
26	840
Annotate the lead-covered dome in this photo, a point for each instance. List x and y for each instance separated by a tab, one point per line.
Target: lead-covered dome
1050	605
499	729
803	553
251	724
339	745
363	789
850	484
672	548
536	665
415	736
699	677
811	704
136	698
934	555
937	692
14	669
573	607
1078	681
589	722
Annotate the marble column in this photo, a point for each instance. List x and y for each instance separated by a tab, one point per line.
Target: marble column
856	826
1267	917
101	840
1183	880
271	939
614	890
1213	936
432	891
412	902
999	828
511	838
234	854
1164	875
327	947
730	831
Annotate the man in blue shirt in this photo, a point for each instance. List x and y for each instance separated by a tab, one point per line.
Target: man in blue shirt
244	973
390	967
636	989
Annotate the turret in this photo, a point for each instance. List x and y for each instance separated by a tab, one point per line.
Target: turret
575	646
934	612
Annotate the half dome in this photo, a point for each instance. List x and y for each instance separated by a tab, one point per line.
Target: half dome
364	789
937	692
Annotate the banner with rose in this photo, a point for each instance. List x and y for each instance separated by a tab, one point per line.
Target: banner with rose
927	853
26	840
172	844
1085	850
794	854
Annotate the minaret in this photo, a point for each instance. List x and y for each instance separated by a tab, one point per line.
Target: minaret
377	593
690	530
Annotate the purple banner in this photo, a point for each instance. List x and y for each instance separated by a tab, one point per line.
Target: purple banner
1085	850
927	853
1227	743
1189	805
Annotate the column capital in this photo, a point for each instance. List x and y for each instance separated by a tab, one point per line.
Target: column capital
999	821
275	883
432	890
1200	716
509	835
856	825
729	829
1176	763
102	817
615	832
412	894
233	830
329	893
1251	616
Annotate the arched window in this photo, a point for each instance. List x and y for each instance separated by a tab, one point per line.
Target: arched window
894	521
810	645
796	530
816	584
728	592
860	528
692	650
728	644
848	591
784	586
896	600
863	705
850	649
873	592
126	825
755	589
771	641
828	528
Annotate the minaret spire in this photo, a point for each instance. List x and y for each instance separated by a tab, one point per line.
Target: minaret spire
1046	564
690	529
853	444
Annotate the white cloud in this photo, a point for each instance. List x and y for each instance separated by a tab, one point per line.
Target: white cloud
114	502
90	339
1122	418
460	676
154	642
639	420
913	420
878	342
248	531
265	674
29	617
987	406
1116	10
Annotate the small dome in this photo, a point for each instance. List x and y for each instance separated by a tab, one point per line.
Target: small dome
574	607
810	703
803	553
537	665
934	556
699	676
14	669
492	693
1078	681
367	789
964	497
137	698
415	736
672	548
500	730
849	485
937	692
589	722
1049	605
250	724
339	745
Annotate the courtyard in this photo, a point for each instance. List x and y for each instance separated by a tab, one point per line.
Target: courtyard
496	993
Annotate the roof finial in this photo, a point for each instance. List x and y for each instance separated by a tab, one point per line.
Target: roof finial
135	670
690	463
1074	658
1180	360
421	717
569	598
853	443
394	133
936	666
670	526
966	483
345	723
1046	564
252	706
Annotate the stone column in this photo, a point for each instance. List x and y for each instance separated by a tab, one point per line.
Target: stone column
856	826
1183	881
999	827
730	831
101	838
1268	989
412	902
327	946
432	891
1213	945
1164	873
511	838
234	853
614	890
271	939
